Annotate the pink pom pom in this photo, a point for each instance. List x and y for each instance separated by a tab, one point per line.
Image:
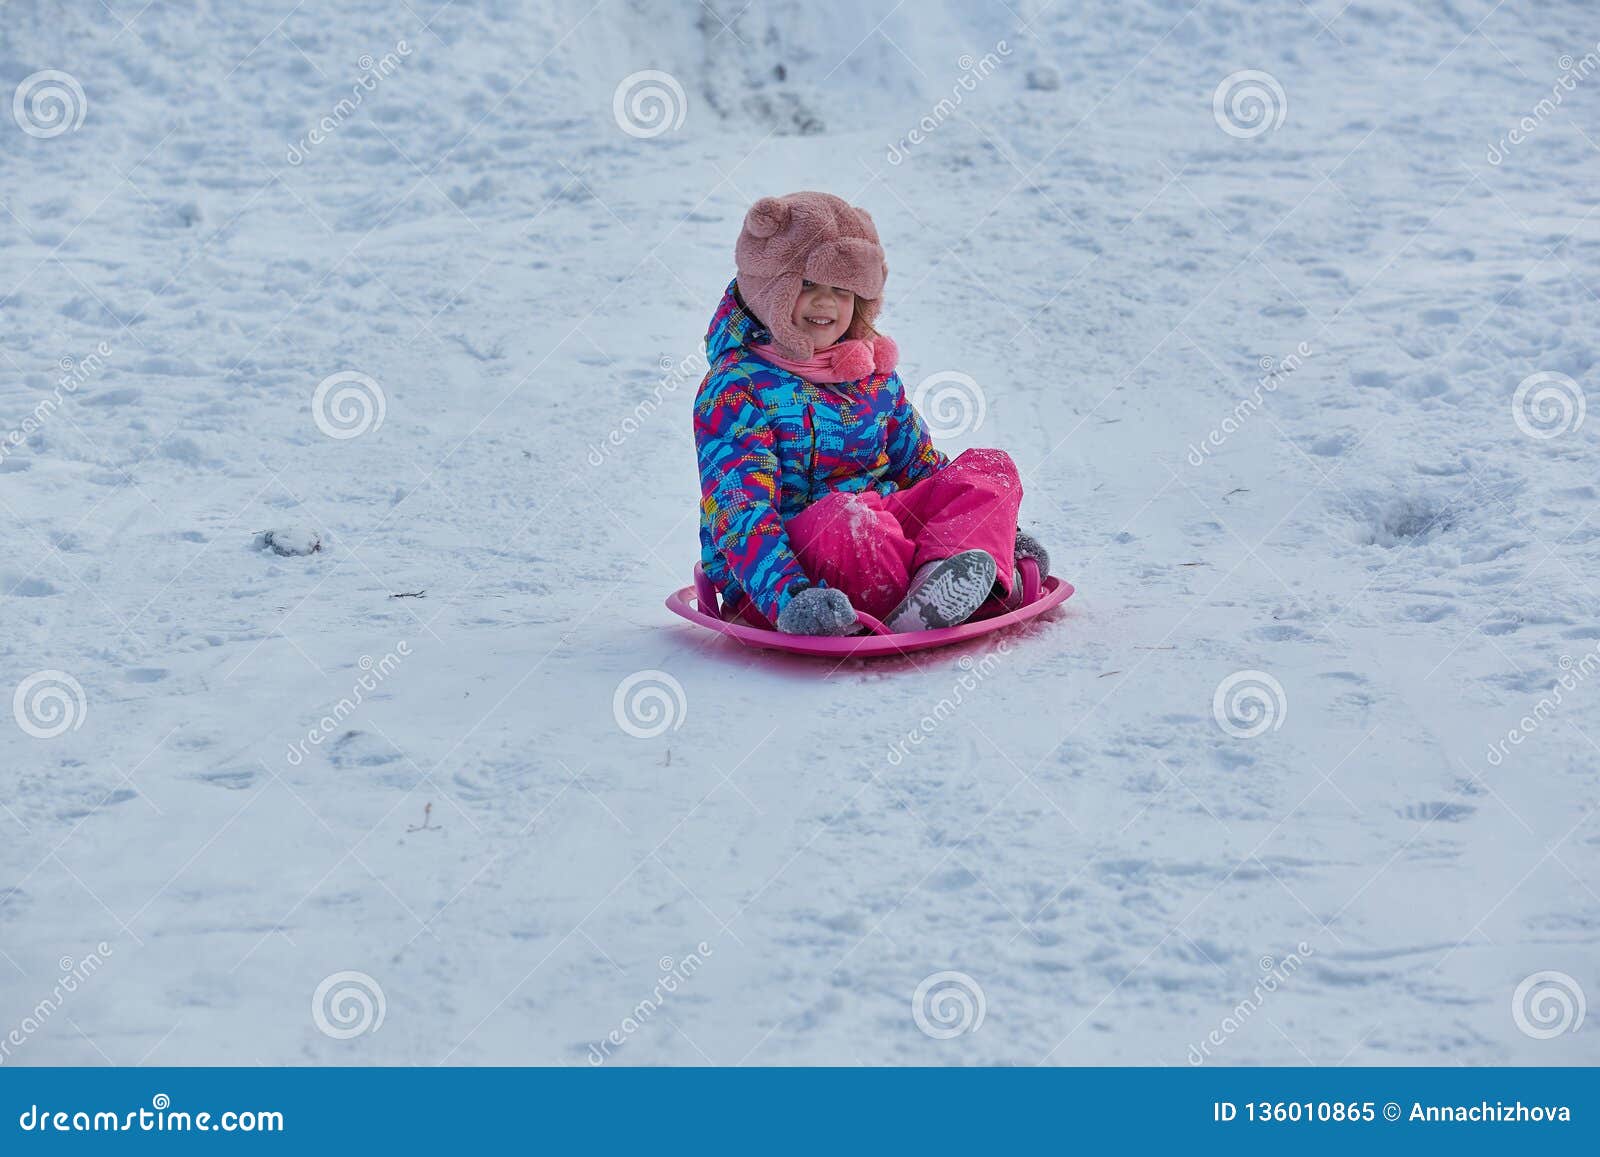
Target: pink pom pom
854	361
885	354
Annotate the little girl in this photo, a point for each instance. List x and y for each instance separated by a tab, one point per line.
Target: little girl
822	493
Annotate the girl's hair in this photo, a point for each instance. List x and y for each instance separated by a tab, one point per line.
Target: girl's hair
860	328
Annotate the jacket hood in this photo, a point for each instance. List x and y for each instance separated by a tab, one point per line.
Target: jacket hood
732	327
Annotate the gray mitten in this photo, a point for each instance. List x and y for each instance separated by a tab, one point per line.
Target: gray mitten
1030	547
818	611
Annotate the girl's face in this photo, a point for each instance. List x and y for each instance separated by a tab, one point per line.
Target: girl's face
823	311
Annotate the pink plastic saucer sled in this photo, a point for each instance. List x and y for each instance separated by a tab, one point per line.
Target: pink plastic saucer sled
699	604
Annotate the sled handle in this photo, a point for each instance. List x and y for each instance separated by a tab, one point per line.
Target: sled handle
1031	580
874	626
705	593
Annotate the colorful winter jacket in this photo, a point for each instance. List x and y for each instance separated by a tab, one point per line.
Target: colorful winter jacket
771	443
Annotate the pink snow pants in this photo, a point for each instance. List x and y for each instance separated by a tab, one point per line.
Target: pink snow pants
869	544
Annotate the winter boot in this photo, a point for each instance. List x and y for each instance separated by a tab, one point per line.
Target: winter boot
944	593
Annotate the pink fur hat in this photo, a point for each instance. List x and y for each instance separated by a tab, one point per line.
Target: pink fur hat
812	237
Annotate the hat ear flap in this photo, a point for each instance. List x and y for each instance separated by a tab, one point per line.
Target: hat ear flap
766	217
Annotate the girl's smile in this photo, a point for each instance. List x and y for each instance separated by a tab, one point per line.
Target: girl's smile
824	311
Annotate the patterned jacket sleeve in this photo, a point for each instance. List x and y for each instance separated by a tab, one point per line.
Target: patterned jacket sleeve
739	473
912	456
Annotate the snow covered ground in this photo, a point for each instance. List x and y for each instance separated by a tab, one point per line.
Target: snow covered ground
1256	361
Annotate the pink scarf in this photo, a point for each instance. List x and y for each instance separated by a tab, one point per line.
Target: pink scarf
849	360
